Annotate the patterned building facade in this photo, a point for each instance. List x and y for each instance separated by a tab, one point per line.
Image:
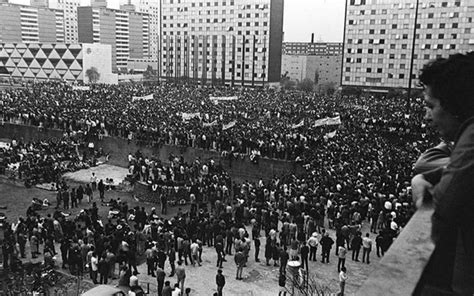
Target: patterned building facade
50	61
222	41
69	11
379	36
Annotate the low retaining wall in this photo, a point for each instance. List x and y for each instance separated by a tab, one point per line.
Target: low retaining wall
239	169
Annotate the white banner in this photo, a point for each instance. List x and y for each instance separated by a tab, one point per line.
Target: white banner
328	121
300	124
78	87
234	98
229	125
330	135
189	116
144	98
209	123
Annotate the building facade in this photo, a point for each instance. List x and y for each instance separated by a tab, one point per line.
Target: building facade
312	48
321	69
55	61
69	11
29	24
225	41
152	8
126	31
379	34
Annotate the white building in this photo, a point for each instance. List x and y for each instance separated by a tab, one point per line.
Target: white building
232	41
379	37
69	9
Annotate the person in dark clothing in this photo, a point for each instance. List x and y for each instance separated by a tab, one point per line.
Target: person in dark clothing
356	244
160	279
220	254
220	282
326	245
104	270
257	248
304	256
379	240
101	187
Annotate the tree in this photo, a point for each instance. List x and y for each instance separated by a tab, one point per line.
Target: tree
327	88
93	75
306	85
316	77
149	73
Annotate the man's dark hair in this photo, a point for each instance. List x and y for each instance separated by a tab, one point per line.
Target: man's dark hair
452	82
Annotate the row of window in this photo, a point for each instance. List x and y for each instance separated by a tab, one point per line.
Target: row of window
456	3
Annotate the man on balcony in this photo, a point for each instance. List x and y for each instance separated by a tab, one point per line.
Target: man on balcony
449	98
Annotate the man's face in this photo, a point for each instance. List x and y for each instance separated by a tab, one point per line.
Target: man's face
446	123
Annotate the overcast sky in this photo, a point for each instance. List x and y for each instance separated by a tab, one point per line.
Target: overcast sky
324	18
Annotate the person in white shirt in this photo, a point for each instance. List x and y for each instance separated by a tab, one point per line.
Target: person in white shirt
176	291
313	246
367	247
94	267
342	281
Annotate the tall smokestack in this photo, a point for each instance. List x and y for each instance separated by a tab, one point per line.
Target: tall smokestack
312	37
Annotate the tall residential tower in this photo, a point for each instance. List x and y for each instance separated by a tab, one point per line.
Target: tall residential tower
379	38
222	41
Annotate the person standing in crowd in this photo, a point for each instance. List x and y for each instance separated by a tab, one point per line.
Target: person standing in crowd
356	244
220	282
239	259
94	261
167	290
449	99
366	248
160	280
101	187
304	251
93	182
379	241
342	281
342	258
313	246
180	275
326	245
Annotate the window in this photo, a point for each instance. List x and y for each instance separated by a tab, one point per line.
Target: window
379	70
370	50
401	76
394	26
428	36
440	36
359	50
382	31
444	4
403	56
430	15
381	51
429	26
369	70
455	25
392	46
442	26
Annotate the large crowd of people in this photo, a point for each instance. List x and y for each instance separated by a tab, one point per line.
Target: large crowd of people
357	171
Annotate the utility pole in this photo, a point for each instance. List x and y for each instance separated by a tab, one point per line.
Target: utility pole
412	57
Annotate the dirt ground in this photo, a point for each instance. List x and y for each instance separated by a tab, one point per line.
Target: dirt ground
259	279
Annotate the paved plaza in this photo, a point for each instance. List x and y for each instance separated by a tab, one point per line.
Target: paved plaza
258	278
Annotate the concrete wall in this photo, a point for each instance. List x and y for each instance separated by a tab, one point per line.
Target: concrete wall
239	169
100	57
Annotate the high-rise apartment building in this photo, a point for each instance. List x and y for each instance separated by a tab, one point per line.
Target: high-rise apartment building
379	35
312	48
222	41
28	24
69	10
152	8
126	31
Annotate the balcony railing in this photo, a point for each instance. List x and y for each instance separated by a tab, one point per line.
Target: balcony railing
403	269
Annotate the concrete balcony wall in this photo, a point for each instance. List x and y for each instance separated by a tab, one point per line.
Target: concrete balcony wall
408	268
